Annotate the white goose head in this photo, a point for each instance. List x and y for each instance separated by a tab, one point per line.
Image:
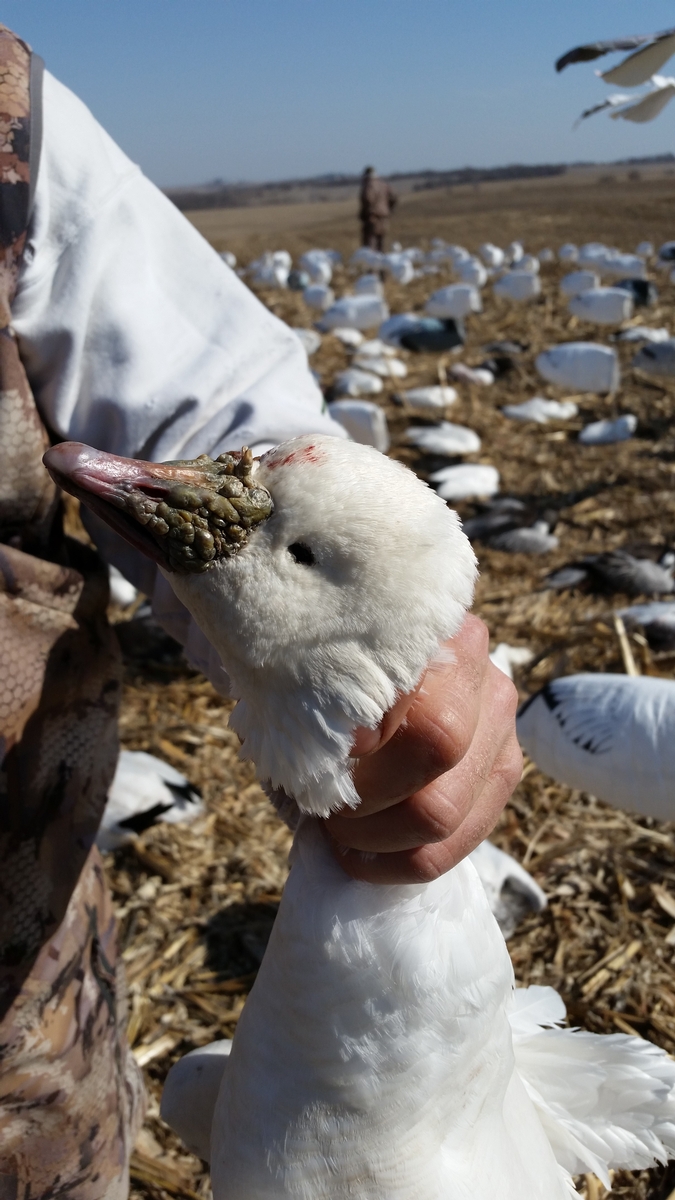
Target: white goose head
330	604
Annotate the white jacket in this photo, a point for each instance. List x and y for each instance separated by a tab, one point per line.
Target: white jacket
138	339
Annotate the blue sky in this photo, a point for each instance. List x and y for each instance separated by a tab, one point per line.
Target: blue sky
270	89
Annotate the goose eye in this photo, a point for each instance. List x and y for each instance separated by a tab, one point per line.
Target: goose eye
302	554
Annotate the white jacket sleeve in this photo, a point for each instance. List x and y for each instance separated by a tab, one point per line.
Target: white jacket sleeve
136	337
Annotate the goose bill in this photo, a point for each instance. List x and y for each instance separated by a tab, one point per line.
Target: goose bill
185	515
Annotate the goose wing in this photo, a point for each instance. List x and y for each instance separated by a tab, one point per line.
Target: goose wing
605	1101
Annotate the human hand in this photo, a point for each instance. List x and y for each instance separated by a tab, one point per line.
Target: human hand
434	777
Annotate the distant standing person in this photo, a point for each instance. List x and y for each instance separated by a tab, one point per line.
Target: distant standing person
378	201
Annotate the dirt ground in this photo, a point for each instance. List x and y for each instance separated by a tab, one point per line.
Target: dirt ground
196	904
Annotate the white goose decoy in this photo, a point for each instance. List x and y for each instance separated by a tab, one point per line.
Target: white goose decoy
580	366
608	431
657	620
541	410
612	735
444	438
602	305
381	1052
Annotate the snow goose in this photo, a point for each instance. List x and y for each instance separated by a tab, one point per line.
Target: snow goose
651	52
611	735
375	1054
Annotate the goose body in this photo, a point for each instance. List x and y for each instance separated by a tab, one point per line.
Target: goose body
374	1052
376	1055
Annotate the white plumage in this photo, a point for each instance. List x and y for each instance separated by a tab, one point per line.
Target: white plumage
375	1055
611	735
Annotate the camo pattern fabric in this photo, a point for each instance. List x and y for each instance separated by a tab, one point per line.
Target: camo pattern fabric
71	1097
27	494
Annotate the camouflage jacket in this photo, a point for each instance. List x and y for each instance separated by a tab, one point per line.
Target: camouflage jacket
70	1093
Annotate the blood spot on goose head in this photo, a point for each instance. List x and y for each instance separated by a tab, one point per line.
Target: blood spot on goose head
303	454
